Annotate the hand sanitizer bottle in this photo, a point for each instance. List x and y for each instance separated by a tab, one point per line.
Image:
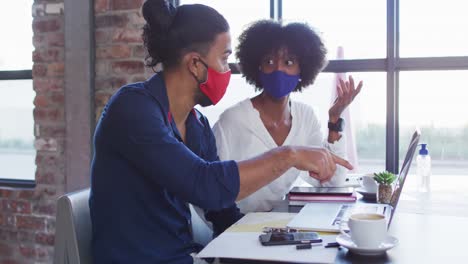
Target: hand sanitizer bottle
423	161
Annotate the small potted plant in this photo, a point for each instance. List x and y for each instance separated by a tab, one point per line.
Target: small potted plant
385	180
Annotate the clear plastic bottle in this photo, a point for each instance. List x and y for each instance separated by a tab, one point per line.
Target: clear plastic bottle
423	161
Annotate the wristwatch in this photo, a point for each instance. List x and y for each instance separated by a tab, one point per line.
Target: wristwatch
338	126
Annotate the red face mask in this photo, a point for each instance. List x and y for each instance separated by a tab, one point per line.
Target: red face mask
216	84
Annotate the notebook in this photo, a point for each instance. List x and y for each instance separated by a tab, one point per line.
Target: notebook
299	196
327	216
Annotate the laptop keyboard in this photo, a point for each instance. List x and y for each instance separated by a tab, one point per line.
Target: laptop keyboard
346	210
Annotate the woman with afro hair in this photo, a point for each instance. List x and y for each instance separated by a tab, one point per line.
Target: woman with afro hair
277	60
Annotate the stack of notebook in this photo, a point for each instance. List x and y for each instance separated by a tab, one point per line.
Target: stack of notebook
299	196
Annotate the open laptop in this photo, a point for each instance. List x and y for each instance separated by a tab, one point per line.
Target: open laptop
327	216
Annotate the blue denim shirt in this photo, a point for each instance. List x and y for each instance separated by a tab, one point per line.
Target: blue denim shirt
143	177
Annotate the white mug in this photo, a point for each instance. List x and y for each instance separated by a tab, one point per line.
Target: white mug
367	230
369	184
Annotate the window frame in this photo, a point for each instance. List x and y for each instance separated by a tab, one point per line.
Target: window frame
10	76
392	65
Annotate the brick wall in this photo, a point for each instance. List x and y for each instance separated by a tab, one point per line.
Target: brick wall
119	49
27	216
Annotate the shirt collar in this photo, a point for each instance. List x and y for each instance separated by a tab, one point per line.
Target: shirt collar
157	88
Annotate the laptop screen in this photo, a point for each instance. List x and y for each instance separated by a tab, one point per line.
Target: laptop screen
404	170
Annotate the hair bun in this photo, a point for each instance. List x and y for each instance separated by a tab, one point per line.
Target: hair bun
159	14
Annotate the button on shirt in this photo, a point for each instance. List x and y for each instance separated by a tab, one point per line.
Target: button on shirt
143	177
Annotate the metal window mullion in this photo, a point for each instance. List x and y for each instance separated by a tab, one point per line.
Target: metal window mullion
392	129
272	9
16	75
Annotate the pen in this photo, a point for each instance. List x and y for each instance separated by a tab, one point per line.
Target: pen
332	244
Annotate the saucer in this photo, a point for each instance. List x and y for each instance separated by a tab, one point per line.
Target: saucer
366	195
346	242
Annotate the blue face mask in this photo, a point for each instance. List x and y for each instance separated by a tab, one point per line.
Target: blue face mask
278	84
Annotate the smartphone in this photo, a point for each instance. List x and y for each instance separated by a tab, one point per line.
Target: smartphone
322	190
282	238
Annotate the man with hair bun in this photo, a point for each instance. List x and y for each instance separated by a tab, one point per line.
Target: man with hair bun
154	153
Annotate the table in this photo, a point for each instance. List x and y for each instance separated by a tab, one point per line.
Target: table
432	227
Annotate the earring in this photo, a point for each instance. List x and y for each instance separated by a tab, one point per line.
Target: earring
300	79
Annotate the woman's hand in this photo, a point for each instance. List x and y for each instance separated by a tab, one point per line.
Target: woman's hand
346	92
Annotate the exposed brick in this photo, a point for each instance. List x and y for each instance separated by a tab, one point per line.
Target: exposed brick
41	192
139	51
45	254
47	160
5	250
54	8
41	100
55	69
127	36
128	67
49	209
47	25
49	84
30	222
52	131
46	144
47	55
102	36
8	235
12	261
17	206
57	98
45	239
50	225
112	83
38	10
101	98
119	20
126	4
101	6
48	177
26	236
102	68
113	52
27	251
39	70
51	39
6	193
44	115
136	19
7	220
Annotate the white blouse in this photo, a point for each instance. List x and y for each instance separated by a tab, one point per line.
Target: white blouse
240	134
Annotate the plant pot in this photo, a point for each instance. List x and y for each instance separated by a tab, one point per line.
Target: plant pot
384	193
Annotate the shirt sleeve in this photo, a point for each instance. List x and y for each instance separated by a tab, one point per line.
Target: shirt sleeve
136	128
224	218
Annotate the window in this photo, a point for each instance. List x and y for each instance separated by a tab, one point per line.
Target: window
345	24
17	154
435	101
401	51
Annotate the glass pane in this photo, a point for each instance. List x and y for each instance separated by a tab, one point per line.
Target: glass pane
238	13
367	128
357	26
237	91
436	103
433	28
17	153
16	26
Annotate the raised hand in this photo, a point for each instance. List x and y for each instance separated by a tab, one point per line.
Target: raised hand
346	92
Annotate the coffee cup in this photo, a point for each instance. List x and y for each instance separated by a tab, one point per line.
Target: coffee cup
369	184
366	230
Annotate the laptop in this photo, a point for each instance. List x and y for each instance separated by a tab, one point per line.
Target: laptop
327	216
